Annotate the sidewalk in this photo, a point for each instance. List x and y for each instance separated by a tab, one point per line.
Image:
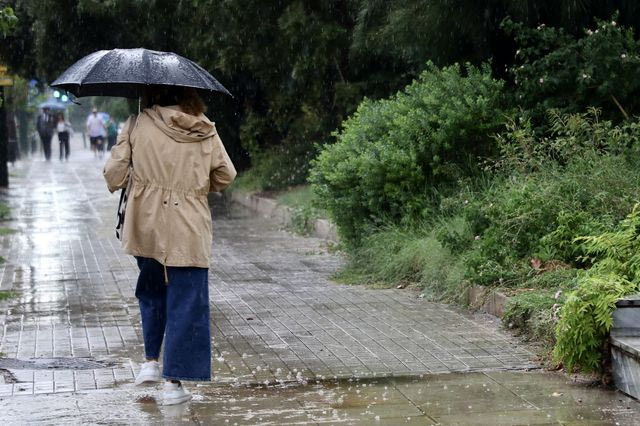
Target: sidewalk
73	331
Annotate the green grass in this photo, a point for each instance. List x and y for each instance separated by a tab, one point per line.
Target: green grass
4	295
6	231
406	257
247	181
5	211
300	196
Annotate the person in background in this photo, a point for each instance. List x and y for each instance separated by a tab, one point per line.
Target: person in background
95	129
102	142
64	130
173	156
112	133
45	126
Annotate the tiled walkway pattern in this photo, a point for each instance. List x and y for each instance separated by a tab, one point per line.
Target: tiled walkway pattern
276	315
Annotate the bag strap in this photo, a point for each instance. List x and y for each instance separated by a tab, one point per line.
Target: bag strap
124	193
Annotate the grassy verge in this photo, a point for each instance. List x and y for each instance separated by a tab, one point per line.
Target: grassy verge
300	196
247	181
5	212
4	295
304	213
6	231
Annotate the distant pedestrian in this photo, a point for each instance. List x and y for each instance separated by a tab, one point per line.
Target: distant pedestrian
45	126
95	129
172	157
112	133
64	130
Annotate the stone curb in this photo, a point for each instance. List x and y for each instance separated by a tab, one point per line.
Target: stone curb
269	208
486	300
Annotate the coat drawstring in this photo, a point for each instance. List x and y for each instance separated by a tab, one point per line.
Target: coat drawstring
166	275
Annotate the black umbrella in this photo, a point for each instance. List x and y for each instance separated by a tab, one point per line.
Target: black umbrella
126	73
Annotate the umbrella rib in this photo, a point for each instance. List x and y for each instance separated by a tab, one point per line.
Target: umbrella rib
193	67
94	67
219	87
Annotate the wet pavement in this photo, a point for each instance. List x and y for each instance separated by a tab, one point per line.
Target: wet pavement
491	398
289	345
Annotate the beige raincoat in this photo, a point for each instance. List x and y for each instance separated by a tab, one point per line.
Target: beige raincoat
176	160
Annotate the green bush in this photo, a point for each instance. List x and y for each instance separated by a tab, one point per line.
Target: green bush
393	155
522	310
556	70
586	316
568	136
581	179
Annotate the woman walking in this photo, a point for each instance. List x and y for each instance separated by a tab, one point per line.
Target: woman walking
64	129
173	156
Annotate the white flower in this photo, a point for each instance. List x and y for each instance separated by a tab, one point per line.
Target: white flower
585	76
589	32
596	31
541	80
614	23
624	55
517	52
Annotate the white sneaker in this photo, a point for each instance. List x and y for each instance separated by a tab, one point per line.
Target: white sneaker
174	394
149	373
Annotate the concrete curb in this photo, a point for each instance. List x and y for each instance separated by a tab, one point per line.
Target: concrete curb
269	208
486	300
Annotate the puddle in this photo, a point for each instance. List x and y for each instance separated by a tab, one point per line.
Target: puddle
476	398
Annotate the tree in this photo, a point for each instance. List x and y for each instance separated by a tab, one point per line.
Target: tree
8	21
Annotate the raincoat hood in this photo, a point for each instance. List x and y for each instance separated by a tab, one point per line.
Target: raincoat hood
179	126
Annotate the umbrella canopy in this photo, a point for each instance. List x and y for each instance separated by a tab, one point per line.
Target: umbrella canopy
53	104
126	73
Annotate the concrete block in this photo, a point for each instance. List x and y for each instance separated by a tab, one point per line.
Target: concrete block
487	300
625	357
626	321
325	229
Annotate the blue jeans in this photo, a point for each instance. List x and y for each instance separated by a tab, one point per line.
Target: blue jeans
178	313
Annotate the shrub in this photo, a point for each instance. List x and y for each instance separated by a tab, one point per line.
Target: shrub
523	311
580	179
568	136
586	316
539	215
556	70
392	155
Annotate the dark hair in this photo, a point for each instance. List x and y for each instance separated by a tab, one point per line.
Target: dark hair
187	97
